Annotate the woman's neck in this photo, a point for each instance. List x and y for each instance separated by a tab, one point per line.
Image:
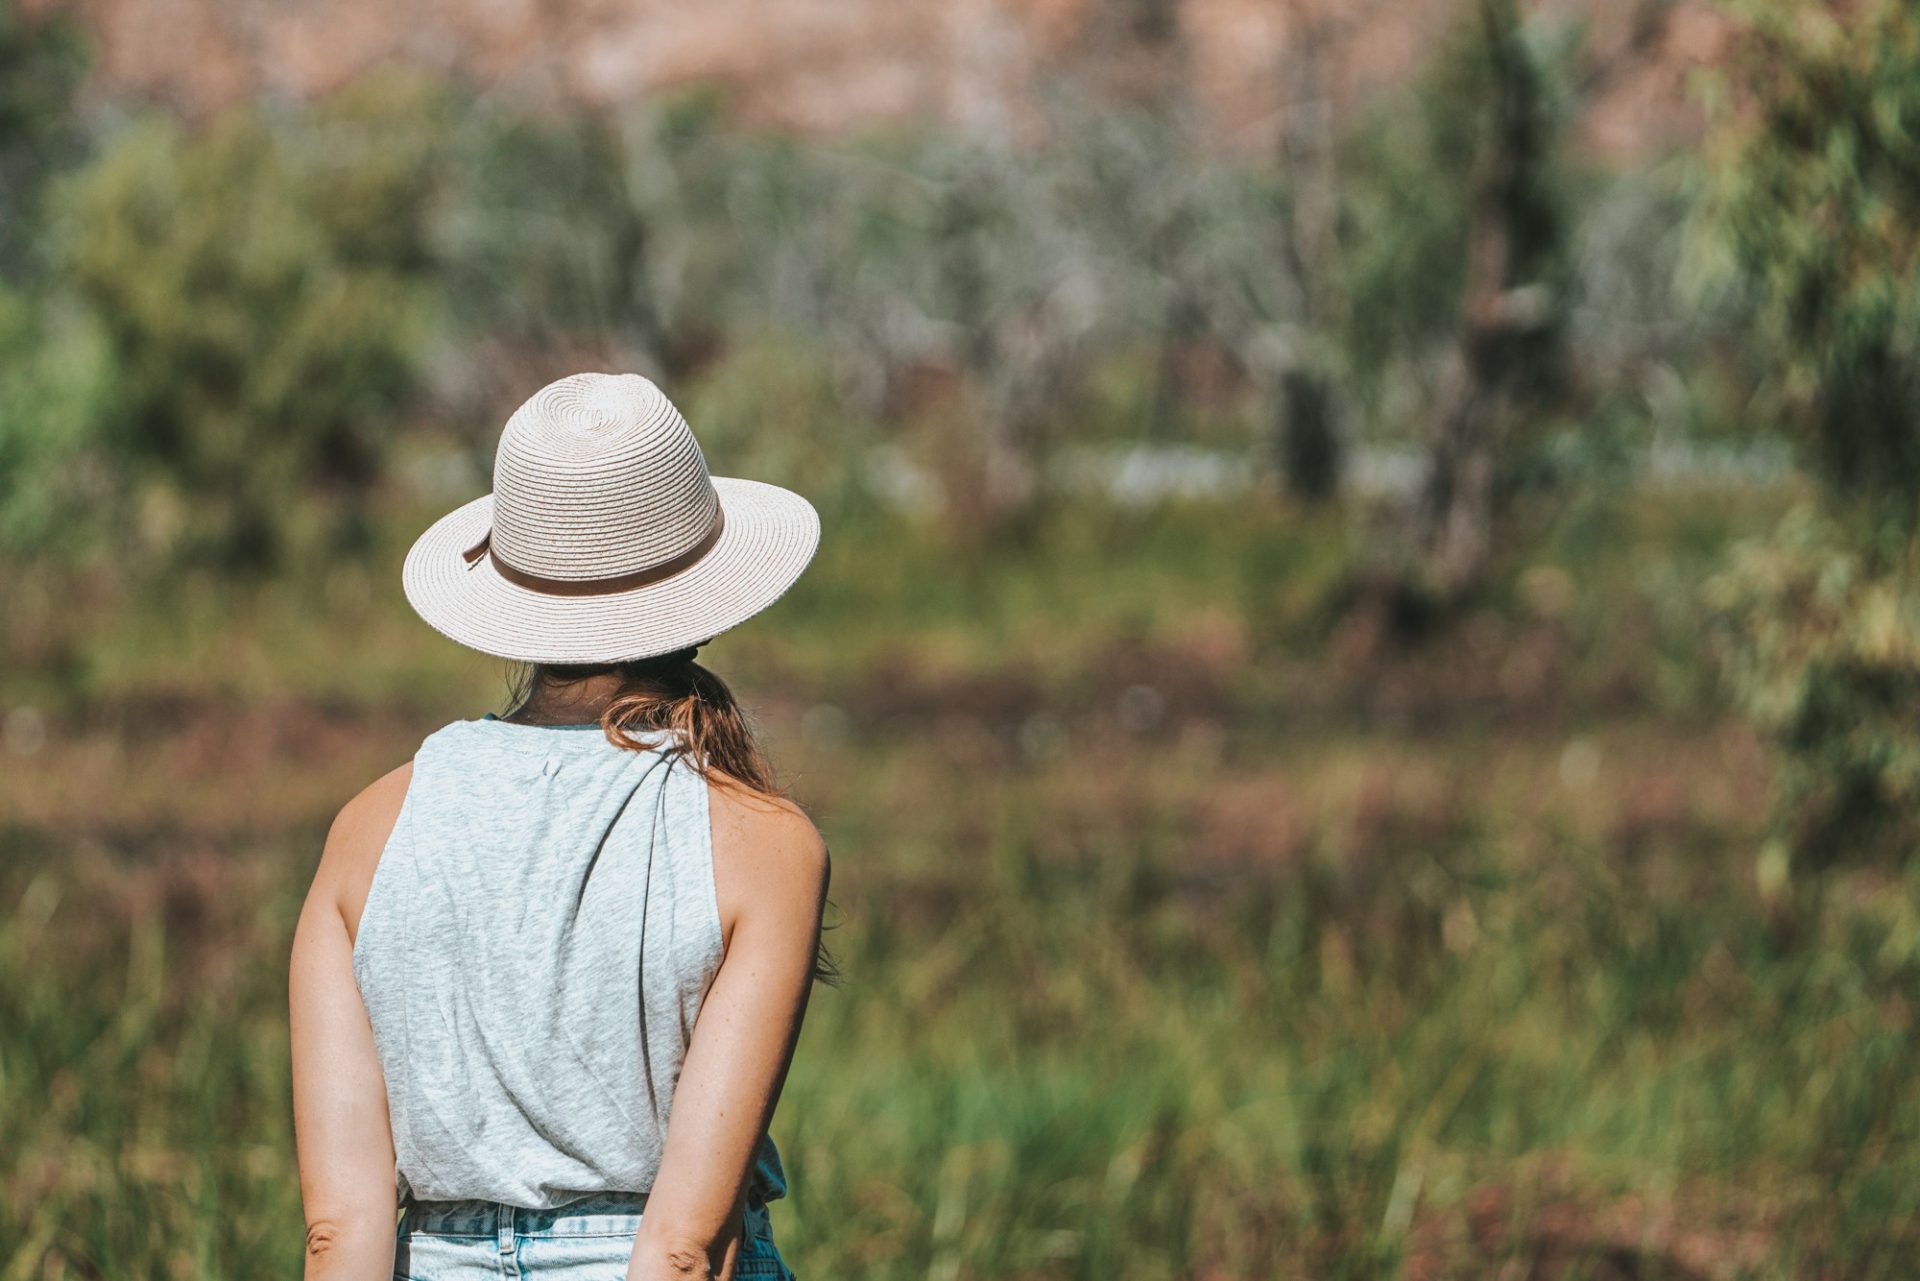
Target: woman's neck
574	703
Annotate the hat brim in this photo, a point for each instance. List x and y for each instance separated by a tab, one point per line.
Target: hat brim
769	536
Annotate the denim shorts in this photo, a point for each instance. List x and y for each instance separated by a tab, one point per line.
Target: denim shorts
589	1239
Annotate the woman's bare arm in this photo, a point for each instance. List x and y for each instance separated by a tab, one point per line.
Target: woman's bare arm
771	870
340	1119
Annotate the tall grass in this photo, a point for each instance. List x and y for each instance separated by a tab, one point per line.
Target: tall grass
1200	951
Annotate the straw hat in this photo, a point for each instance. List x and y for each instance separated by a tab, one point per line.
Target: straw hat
604	538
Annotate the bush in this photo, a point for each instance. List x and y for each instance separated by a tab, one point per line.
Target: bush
51	363
1823	652
1815	209
265	289
768	408
42	60
53	369
1816	206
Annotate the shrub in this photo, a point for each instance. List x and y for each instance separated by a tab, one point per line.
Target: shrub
265	292
769	408
50	359
53	371
1815	209
1822	650
42	59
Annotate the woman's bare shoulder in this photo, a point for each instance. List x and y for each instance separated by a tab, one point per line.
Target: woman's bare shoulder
765	849
370	815
355	840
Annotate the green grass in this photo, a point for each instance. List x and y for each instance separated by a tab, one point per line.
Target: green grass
1336	957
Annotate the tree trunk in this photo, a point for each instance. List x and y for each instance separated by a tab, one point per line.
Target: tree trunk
1307	406
1512	235
1309	435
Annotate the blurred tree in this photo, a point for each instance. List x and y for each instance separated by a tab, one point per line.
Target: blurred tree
55	490
553	239
994	301
1309	436
1507	358
1307	408
768	407
1817	203
42	61
660	237
266	292
955	279
1815	209
1457	265
51	363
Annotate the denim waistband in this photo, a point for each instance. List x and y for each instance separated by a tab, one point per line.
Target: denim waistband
598	1213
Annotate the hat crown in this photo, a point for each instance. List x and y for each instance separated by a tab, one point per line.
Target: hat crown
598	475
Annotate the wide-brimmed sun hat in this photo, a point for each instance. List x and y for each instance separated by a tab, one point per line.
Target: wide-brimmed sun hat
605	539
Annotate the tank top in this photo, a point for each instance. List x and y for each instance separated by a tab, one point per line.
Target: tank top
538	936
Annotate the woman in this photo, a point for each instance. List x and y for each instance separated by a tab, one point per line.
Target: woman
527	946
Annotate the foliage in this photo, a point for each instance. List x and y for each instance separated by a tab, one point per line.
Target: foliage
1822	647
51	367
1472	294
970	295
600	233
54	482
1815	208
958	288
769	408
41	62
1410	203
1816	204
266	292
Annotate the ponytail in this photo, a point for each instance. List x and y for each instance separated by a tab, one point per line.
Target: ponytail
671	692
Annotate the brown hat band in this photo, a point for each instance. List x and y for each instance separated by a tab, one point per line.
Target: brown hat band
597	586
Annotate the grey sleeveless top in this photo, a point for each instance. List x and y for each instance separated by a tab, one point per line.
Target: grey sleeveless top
539	933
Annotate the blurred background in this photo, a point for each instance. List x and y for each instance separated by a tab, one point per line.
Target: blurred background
1364	671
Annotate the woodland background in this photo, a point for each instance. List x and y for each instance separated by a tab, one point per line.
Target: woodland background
1362	678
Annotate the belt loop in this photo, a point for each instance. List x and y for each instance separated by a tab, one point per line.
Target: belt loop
503	1226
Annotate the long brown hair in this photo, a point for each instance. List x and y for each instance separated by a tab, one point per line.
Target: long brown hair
673	692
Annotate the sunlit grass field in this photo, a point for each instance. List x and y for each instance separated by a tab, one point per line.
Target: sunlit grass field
1200	918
